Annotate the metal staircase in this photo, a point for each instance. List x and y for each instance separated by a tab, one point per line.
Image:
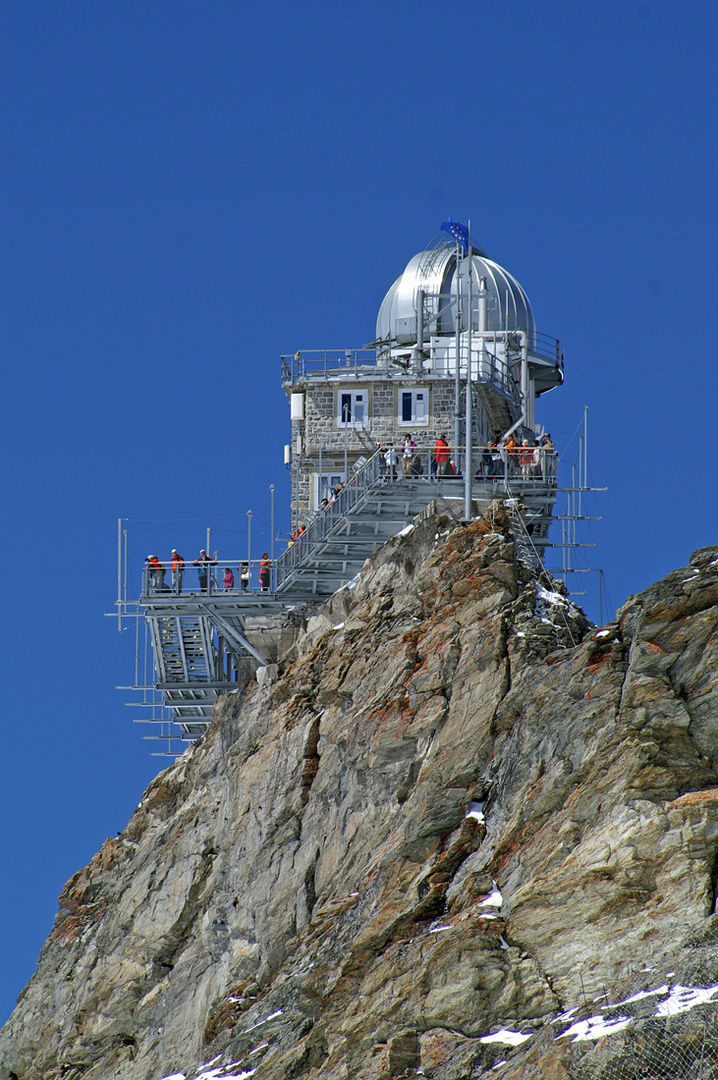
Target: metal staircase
373	507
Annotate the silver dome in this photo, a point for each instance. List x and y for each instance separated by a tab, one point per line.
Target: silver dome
434	271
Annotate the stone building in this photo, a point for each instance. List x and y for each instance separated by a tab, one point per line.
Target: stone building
451	301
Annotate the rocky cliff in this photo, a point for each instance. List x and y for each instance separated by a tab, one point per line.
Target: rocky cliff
456	827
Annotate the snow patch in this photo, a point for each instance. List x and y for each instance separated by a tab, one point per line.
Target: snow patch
643	994
476	811
550	597
566	1016
684	998
494	899
594	1028
406	530
220	1074
265	1021
508	1038
438	928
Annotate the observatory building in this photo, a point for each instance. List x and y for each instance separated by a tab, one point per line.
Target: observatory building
440	408
454	319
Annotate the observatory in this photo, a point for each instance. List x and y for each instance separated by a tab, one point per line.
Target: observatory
439	408
456	355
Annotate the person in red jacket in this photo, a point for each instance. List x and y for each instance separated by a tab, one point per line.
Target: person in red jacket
265	572
156	574
442	454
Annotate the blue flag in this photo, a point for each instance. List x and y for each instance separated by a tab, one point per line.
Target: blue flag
458	231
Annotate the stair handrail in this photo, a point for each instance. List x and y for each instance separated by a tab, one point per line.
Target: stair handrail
328	518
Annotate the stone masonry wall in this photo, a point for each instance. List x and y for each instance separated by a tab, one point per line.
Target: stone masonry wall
320	425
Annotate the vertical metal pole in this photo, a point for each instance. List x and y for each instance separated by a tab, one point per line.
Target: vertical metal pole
208	541
579	494
585	447
573	493
249	543
457	373
296	489
271	498
124	588
119	574
469	403
345	409
319	484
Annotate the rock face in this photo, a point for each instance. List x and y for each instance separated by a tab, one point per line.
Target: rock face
452	810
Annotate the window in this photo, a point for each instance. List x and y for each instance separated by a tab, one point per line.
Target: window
353	408
413	407
323	483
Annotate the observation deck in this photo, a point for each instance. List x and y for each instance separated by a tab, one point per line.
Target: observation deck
202	640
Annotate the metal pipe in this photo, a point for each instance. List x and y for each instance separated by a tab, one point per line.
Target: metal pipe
527	396
249	544
271	498
457	372
469	411
296	485
119	574
419	351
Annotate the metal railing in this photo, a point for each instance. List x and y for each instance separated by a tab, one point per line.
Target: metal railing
370	363
326	518
318	363
498	467
223	577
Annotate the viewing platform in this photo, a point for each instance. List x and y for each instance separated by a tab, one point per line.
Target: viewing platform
210	623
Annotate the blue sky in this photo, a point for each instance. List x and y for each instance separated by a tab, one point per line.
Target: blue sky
190	190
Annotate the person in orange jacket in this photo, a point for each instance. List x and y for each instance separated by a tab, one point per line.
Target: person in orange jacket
177	567
265	572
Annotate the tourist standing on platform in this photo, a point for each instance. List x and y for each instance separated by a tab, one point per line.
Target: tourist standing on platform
547	450
526	459
244	576
203	564
441	456
177	567
391	458
510	450
408	449
265	573
228	579
156	573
